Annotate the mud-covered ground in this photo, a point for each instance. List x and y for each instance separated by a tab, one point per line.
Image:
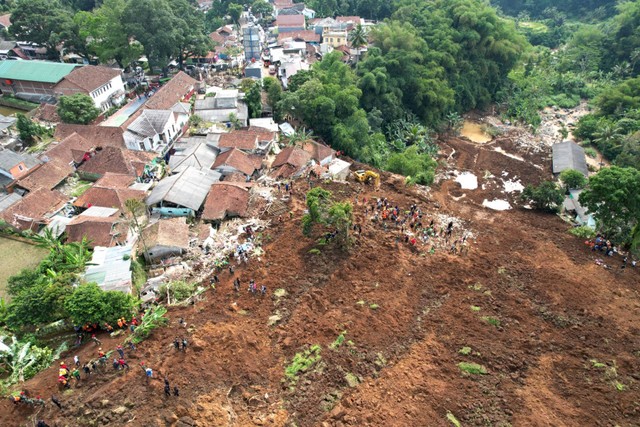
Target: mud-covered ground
556	334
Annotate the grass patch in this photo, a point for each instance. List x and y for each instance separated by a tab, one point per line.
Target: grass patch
138	275
80	188
315	251
472	368
302	362
534	27
465	351
361	302
491	320
453	420
477	287
619	386
352	380
19	104
338	342
475	308
591	152
374	306
583	231
597	365
280	292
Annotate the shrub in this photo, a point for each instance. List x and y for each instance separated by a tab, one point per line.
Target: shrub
547	196
573	179
491	320
472	368
583	231
177	291
302	362
591	152
465	351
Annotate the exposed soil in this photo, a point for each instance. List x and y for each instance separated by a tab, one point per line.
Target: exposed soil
527	299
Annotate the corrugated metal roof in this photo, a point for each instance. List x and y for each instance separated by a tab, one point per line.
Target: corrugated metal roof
58	224
569	155
99	211
35	71
110	270
7	200
198	154
188	188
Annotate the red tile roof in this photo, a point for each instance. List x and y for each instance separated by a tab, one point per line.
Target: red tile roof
290	21
86	79
240	139
355	19
115	180
116	160
97	136
237	160
293	156
5	20
47	113
168	232
305	36
32	208
108	197
173	91
225	199
317	151
47	176
98	230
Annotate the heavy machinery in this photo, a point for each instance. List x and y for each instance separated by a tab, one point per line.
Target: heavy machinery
368	176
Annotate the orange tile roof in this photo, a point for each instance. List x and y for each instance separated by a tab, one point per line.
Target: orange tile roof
115	180
97	136
87	79
108	197
98	230
293	156
173	91
32	208
240	139
237	160
225	199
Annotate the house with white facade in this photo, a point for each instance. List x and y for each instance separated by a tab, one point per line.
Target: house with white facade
152	130
103	84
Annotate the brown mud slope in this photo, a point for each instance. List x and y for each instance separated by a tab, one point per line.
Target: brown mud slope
557	335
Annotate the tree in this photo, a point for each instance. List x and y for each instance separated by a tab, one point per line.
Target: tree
47	23
90	304
42	302
193	40
28	129
262	8
613	198
573	179
108	39
235	11
624	96
22	360
546	196
358	39
274	94
136	209
317	201
420	168
213	21
340	216
77	109
253	98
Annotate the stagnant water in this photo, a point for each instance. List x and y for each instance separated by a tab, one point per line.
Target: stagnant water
14	256
474	132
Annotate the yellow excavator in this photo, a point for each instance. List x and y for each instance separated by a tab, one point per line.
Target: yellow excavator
368	176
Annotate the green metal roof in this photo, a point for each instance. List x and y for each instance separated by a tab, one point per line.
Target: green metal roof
35	71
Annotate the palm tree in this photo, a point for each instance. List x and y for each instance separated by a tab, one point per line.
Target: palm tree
608	135
358	39
136	209
300	135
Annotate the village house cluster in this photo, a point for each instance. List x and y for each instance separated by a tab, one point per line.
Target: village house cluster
182	175
185	148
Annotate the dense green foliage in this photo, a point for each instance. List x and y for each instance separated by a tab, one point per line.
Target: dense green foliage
594	9
612	197
573	179
547	196
77	109
322	210
51	291
153	318
88	304
23	359
29	130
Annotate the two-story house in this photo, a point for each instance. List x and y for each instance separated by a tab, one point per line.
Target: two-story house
104	85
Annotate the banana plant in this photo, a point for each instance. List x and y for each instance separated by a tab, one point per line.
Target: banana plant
152	319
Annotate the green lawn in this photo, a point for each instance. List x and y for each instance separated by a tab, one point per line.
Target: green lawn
14	256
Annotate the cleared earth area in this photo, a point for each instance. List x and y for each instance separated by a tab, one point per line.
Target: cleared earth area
522	329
